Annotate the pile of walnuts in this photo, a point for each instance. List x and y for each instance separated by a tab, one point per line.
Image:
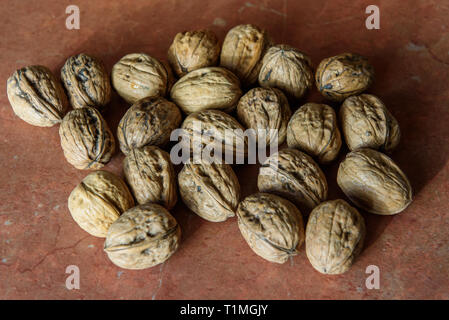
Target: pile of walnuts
248	77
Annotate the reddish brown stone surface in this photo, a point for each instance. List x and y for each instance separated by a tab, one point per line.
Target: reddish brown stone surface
39	239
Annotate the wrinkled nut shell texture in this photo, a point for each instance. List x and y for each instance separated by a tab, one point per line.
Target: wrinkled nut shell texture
288	69
374	182
293	175
193	50
149	121
150	174
207	88
265	109
272	226
86	139
138	75
334	236
210	190
86	81
344	75
36	96
98	201
313	128
142	237
366	123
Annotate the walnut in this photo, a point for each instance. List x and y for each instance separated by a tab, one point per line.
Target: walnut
265	109
150	174
243	49
143	236
293	175
272	226
148	122
86	139
210	190
288	69
374	182
192	50
367	123
313	129
207	88
98	201
138	75
344	75
86	81
36	96
334	236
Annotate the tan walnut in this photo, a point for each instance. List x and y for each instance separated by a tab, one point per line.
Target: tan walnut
143	237
272	226
266	110
193	50
150	174
373	182
367	123
36	96
86	139
98	201
288	69
335	234
86	81
313	129
343	75
211	190
207	88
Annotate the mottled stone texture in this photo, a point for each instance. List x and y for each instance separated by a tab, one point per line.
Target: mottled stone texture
39	239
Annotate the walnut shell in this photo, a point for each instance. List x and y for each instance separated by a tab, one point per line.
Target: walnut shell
193	50
265	109
373	182
367	123
313	129
334	236
143	236
150	174
36	96
343	75
288	69
212	190
272	226
207	88
86	139
243	49
293	175
98	201
86	81
149	121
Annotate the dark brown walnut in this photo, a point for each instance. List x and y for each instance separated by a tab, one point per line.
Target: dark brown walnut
367	123
86	81
36	96
293	175
288	69
86	139
266	110
373	182
343	75
149	121
334	236
193	50
272	226
150	174
212	190
207	88
313	129
143	237
243	49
